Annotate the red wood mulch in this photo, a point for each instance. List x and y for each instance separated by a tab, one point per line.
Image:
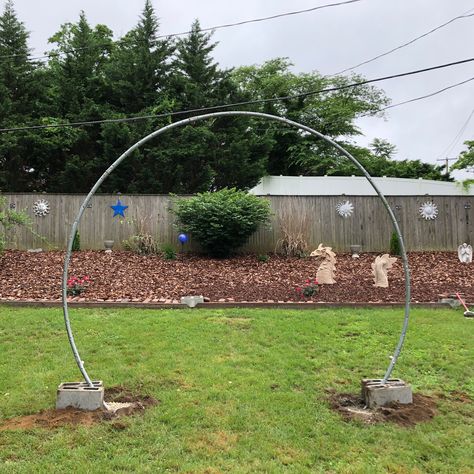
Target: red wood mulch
125	276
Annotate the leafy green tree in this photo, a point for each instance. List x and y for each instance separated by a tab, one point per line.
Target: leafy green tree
466	158
333	114
380	162
382	148
88	76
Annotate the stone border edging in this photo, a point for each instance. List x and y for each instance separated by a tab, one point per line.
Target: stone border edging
217	305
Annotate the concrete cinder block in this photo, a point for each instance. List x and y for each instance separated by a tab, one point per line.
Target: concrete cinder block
378	394
192	301
80	395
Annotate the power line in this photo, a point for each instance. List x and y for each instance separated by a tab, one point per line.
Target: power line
452	144
211	28
466	14
262	101
228	25
428	95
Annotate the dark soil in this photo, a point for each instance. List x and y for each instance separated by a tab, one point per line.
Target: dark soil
50	419
352	407
124	276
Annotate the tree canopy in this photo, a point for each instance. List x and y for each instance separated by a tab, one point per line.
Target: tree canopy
91	77
466	158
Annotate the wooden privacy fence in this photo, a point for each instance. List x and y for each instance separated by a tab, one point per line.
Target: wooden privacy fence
368	225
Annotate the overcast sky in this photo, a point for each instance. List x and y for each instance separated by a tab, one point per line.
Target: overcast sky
327	41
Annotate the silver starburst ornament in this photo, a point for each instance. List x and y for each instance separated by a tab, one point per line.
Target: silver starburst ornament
428	210
41	208
345	209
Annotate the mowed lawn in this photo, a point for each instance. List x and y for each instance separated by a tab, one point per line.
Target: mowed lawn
241	390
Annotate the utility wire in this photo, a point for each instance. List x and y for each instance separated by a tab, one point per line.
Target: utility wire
211	28
452	144
427	95
228	25
466	14
262	101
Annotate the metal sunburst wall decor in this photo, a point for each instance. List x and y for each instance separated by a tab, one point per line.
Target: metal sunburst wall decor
345	209
41	208
429	210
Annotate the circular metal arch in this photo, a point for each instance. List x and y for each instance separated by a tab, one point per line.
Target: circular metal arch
80	362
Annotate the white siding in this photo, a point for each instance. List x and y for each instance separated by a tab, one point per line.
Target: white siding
355	186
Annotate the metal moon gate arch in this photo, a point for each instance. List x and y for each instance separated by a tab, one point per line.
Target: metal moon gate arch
80	362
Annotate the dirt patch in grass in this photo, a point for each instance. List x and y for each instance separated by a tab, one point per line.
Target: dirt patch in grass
124	401
352	407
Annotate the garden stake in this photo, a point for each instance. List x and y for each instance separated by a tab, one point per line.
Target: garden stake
467	313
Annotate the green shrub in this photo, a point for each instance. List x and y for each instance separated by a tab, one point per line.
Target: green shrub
395	248
222	221
263	258
169	252
76	243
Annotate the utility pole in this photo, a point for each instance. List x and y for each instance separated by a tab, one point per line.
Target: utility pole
447	160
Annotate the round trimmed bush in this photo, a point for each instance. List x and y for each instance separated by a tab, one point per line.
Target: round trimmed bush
222	221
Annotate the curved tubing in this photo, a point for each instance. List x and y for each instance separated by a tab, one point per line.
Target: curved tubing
197	118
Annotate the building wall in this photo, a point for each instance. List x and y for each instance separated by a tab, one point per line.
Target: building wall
355	186
315	216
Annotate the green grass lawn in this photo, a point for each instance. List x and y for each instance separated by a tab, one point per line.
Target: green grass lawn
241	390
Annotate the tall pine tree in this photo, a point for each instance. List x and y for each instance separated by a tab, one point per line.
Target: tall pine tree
214	154
20	102
15	67
138	73
77	65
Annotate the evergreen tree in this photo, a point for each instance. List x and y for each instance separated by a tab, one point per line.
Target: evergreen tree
15	68
77	67
198	79
20	101
78	63
215	154
139	69
90	77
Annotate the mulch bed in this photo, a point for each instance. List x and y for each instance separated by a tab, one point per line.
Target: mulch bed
127	277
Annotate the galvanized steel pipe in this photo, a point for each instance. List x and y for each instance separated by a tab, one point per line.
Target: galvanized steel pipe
197	118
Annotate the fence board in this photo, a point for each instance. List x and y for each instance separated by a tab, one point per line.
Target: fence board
368	226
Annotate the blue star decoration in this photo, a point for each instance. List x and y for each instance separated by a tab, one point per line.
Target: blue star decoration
119	208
